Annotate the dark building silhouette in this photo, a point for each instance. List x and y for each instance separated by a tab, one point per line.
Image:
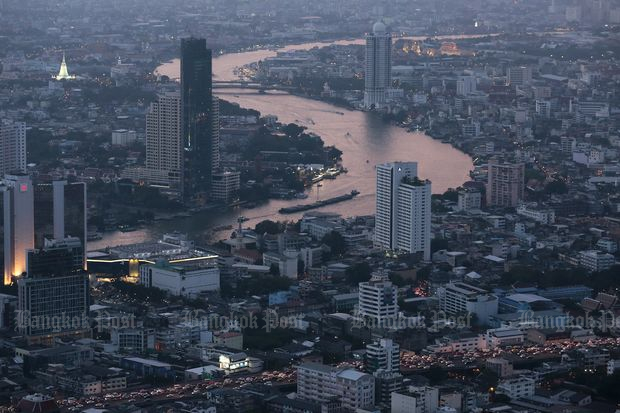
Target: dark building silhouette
200	113
54	295
59	212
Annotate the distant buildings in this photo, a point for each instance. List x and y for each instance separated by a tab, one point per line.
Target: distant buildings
505	184
519	75
403	209
321	383
378	72
200	118
465	85
123	137
12	147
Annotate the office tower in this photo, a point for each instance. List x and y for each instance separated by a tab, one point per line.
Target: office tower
378	73
383	355
465	85
164	143
18	203
54	296
322	383
378	301
519	76
403	209
505	183
12	147
200	117
59	212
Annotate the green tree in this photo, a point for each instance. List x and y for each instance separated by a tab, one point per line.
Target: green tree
556	187
358	273
268	227
335	241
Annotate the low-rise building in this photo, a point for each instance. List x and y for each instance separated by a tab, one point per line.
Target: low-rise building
186	281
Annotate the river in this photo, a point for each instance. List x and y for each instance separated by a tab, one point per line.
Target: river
364	139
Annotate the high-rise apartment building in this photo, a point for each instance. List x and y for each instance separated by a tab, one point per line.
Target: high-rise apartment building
200	118
403	209
164	143
322	383
12	147
378	69
505	184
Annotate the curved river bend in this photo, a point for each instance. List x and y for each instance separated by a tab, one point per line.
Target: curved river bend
364	139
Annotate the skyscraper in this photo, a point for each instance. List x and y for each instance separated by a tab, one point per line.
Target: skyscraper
59	212
18	203
12	147
378	73
403	209
200	114
54	296
34	213
505	183
164	143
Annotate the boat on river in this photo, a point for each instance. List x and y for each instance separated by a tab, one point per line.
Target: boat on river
319	204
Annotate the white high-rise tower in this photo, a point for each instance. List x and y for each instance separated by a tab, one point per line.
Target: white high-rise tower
378	74
164	145
403	209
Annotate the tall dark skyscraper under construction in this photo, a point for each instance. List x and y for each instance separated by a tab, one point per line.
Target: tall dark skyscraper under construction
200	118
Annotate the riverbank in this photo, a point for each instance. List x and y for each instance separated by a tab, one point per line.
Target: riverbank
364	139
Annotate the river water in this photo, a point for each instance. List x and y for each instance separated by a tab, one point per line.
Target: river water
364	139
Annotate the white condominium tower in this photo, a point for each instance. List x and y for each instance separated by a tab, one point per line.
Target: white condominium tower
12	147
378	300
164	146
378	73
403	209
